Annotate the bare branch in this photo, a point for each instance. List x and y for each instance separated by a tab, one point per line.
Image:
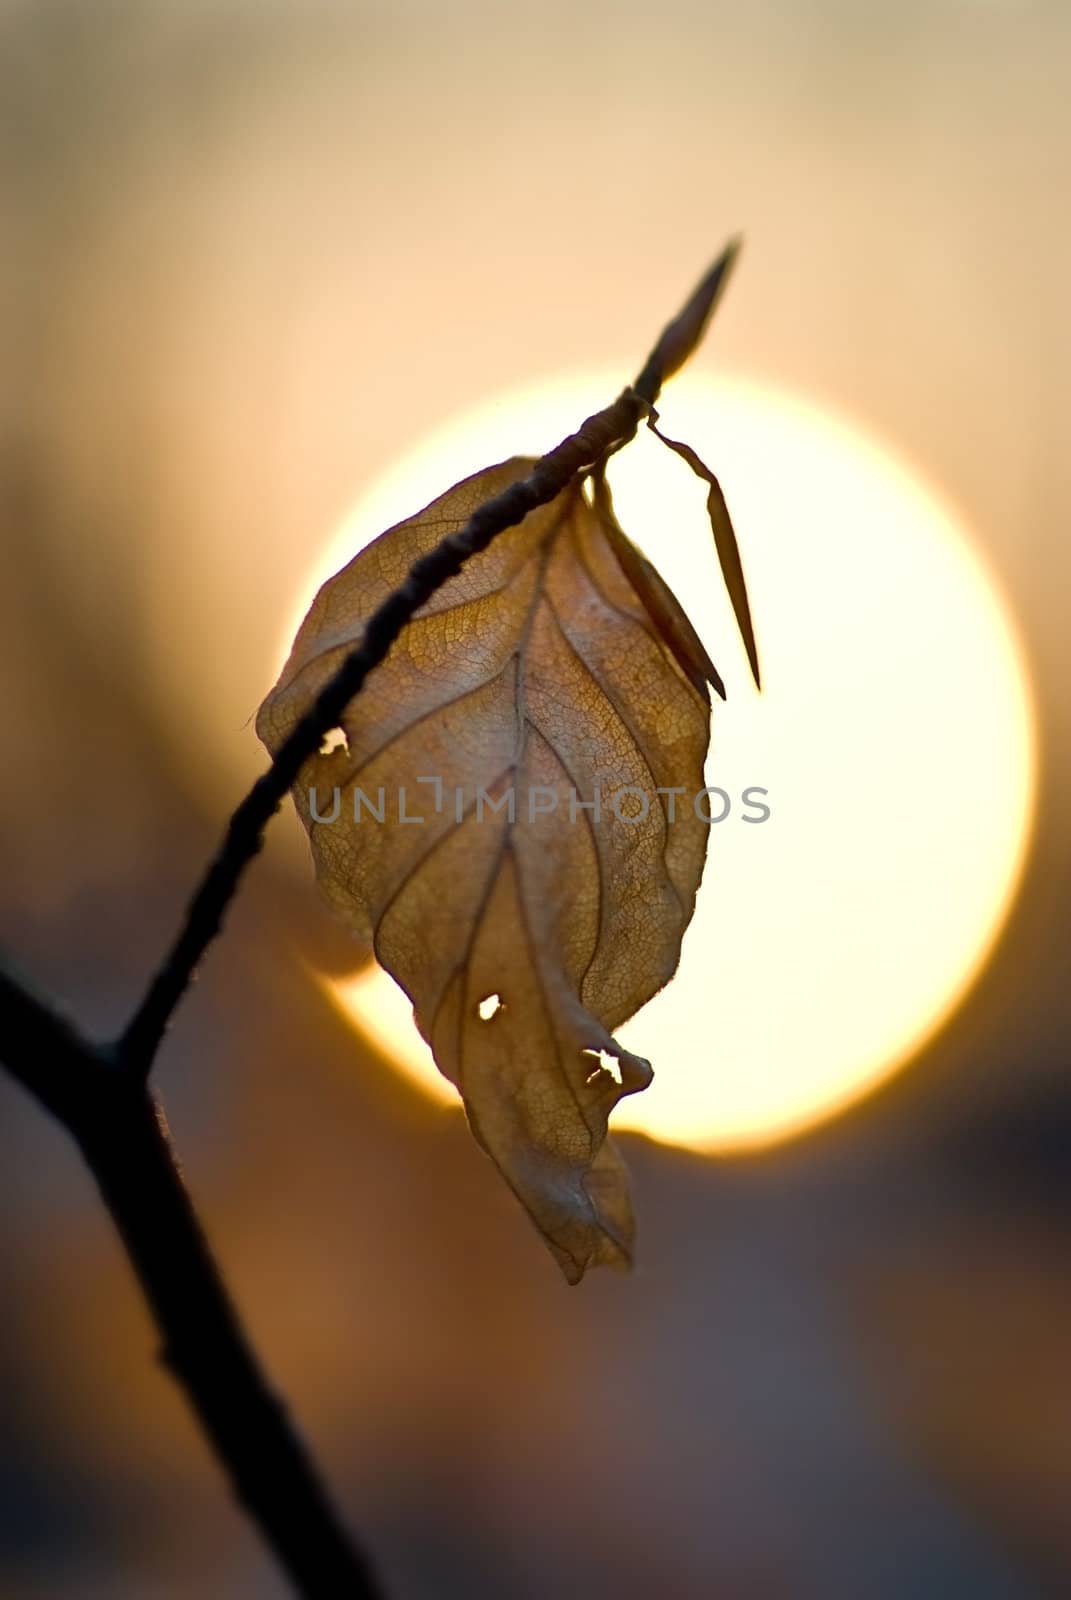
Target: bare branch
98	1091
601	434
206	1349
43	1050
121	1133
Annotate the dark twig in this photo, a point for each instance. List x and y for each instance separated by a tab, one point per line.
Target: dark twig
120	1130
99	1091
600	435
41	1048
206	1349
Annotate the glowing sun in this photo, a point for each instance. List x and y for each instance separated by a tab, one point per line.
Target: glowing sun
895	737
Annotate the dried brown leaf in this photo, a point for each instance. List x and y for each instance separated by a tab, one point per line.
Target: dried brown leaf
557	666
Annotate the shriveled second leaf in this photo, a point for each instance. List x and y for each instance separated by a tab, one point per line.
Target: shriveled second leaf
530	712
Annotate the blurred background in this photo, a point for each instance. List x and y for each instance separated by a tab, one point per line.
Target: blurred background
249	254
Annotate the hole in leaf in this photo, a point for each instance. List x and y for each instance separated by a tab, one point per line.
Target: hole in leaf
489	1006
334	739
605	1062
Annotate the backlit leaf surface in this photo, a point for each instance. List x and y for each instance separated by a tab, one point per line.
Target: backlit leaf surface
558	668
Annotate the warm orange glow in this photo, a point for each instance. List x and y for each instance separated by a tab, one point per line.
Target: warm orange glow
895	736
